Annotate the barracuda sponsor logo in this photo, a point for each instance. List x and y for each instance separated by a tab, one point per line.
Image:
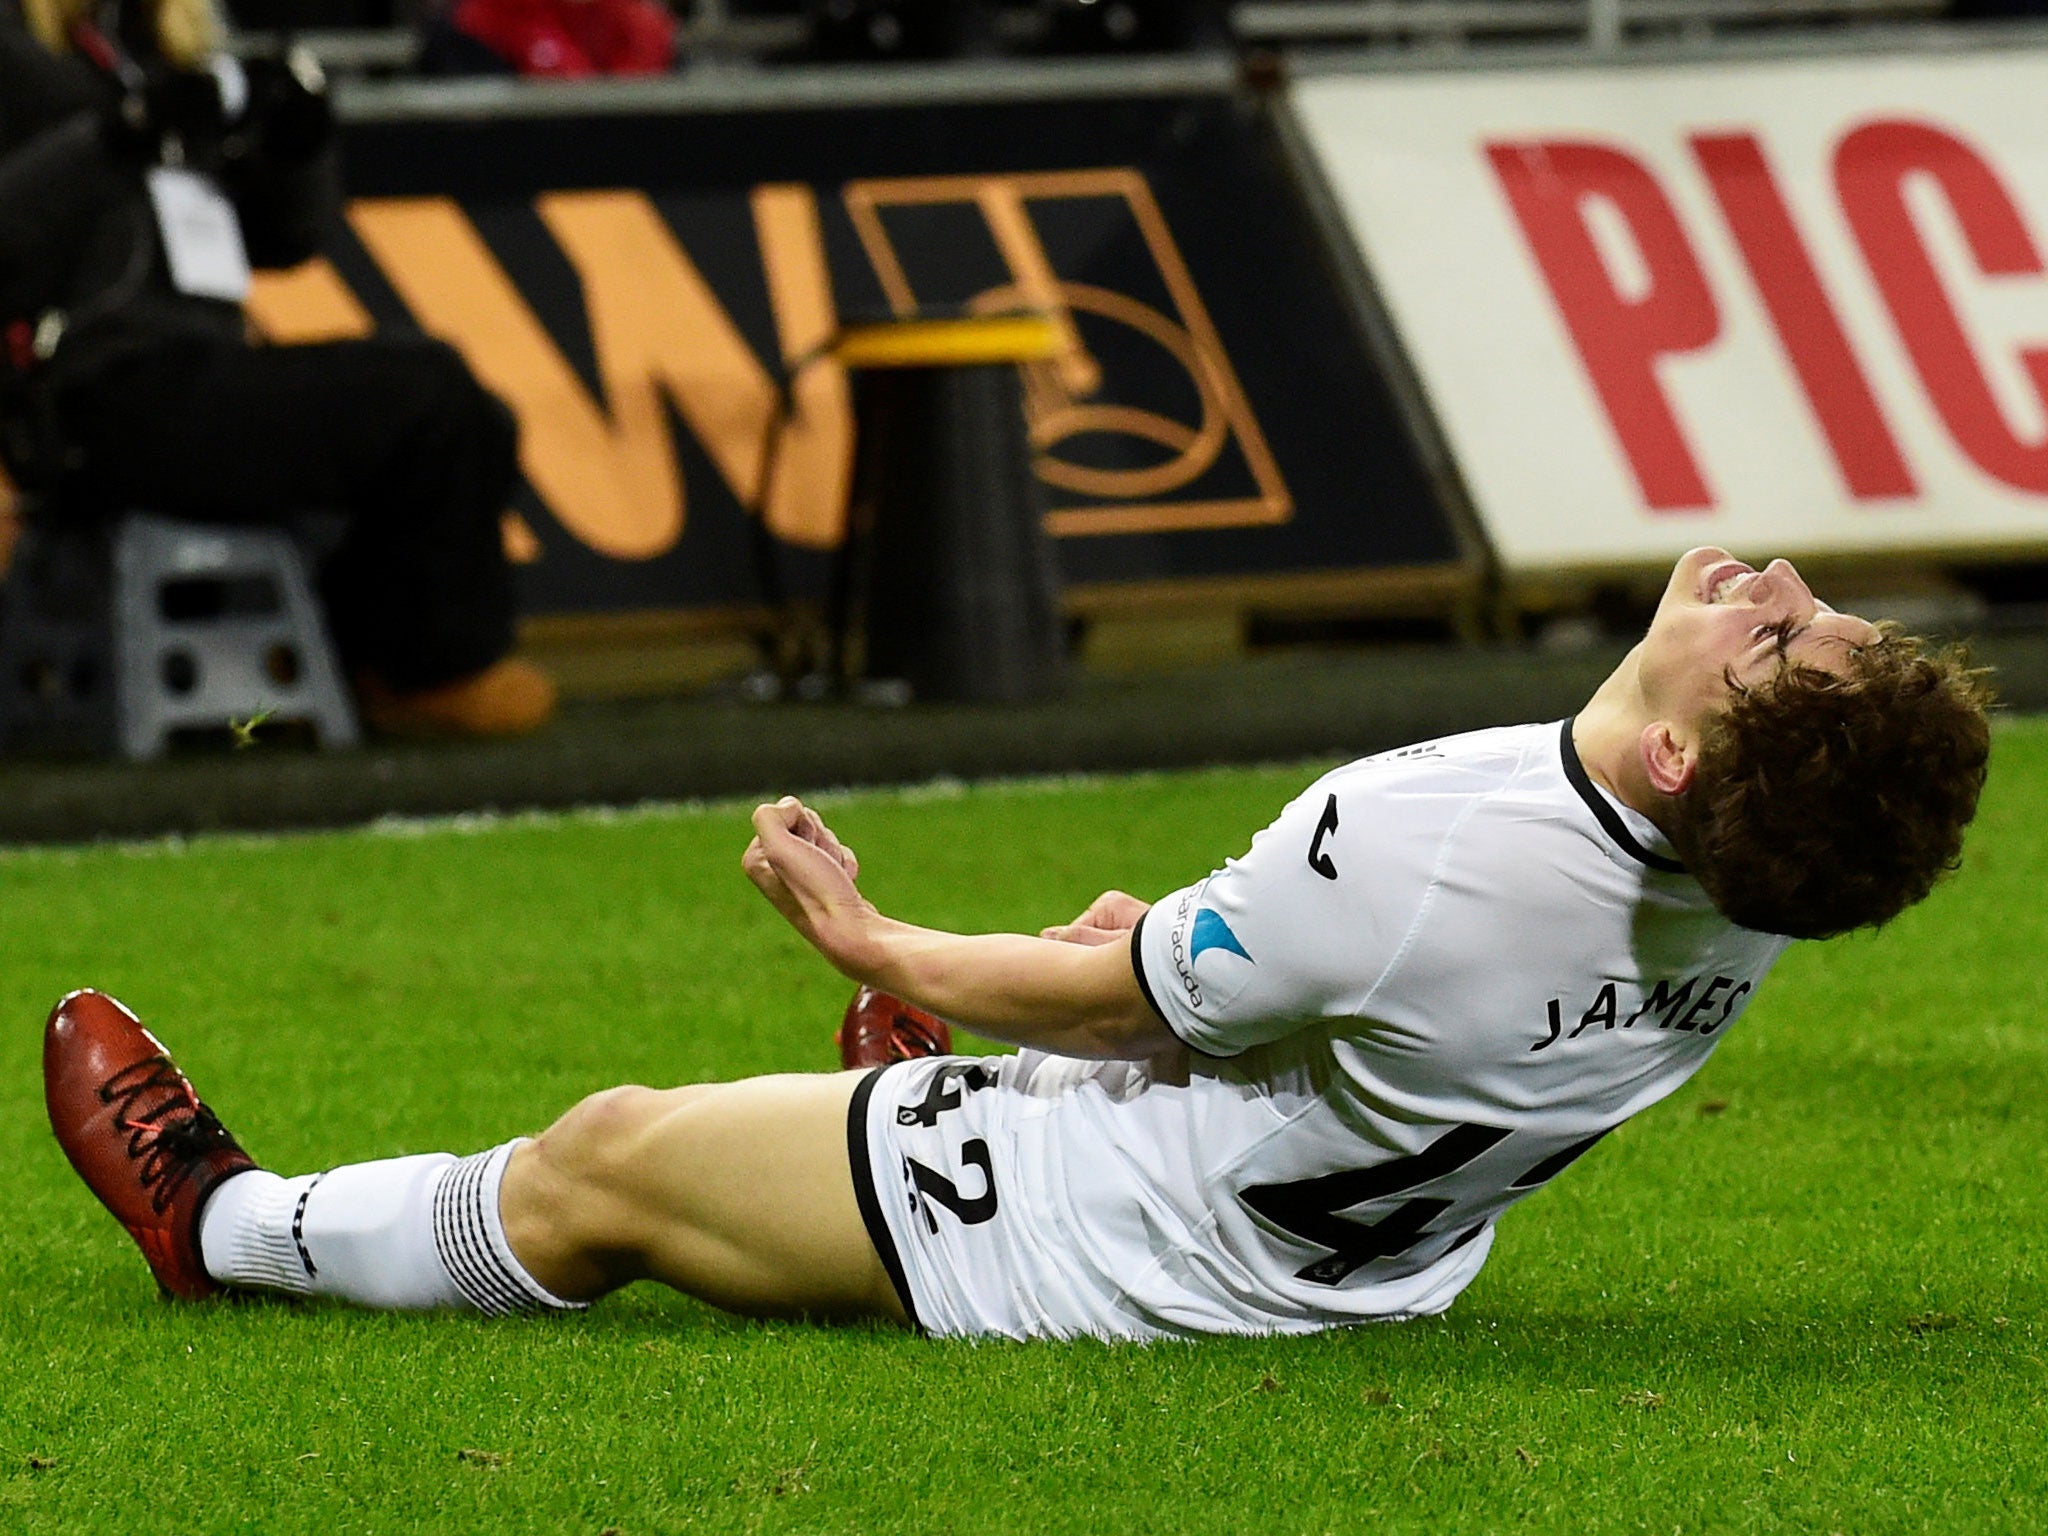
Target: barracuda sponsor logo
1197	930
1211	932
1183	962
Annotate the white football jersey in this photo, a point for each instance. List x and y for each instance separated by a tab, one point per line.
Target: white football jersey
1441	976
1438	978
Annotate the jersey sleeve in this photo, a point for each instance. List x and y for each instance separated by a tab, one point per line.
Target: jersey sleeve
1305	926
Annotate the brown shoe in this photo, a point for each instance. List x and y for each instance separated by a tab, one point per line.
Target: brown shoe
880	1029
508	698
136	1133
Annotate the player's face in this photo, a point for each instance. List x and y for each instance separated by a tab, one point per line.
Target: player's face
1723	624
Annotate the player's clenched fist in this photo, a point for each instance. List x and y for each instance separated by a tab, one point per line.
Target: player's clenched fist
807	874
808	826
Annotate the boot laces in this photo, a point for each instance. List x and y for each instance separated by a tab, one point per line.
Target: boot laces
169	1131
915	1034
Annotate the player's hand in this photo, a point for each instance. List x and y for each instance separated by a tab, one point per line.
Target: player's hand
1109	918
808	875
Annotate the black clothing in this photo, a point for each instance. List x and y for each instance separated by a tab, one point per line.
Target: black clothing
161	404
396	431
39	89
78	233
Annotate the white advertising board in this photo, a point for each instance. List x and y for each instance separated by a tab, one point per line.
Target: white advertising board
1784	307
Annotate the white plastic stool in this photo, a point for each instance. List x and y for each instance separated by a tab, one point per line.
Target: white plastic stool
181	626
214	625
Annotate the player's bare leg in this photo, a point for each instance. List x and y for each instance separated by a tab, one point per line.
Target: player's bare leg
740	1194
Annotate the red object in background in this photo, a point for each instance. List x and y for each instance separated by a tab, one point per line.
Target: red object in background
21	346
572	39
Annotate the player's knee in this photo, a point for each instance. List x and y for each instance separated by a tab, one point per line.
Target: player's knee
601	1133
567	1202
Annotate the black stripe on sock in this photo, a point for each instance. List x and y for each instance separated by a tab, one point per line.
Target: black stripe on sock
299	1226
864	1194
470	1238
475	1232
453	1259
470	1276
465	1252
477	1229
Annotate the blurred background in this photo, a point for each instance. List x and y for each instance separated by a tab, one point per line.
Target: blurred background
906	389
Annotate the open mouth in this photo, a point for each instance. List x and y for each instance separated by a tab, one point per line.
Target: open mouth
1720	580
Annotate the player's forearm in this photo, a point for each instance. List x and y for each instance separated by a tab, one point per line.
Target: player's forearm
1065	998
1073	999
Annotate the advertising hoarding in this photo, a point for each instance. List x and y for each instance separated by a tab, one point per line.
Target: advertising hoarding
652	292
1782	306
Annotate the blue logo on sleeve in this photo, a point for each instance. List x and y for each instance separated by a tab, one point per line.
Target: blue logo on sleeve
1211	932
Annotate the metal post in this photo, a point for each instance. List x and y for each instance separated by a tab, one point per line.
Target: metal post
1603	25
710	22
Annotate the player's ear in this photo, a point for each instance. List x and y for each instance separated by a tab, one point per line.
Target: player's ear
1669	757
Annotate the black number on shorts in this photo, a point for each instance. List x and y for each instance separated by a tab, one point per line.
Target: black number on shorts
936	1187
941	1094
1307	1208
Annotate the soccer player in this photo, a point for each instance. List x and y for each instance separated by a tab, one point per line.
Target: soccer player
1299	1093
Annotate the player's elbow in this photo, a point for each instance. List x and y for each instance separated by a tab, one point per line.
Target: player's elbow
1127	1033
1110	1018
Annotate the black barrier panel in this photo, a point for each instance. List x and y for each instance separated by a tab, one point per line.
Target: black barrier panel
625	279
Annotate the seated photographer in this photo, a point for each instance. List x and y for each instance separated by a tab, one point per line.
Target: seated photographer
142	174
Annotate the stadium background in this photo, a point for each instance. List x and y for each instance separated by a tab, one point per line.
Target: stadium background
1321	471
1447	322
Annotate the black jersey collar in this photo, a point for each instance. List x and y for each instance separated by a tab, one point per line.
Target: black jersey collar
1603	809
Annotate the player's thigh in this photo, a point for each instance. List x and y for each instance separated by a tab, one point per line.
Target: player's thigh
749	1185
740	1193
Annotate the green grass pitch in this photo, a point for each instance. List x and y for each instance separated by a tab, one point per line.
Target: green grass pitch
1806	1294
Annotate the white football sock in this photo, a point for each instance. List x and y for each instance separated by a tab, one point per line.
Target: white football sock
232	1229
407	1234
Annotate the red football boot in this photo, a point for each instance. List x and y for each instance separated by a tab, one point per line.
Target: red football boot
137	1133
879	1029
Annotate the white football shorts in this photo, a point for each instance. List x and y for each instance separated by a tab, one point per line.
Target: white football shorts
1034	1196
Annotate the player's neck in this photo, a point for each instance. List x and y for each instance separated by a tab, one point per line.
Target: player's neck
1608	733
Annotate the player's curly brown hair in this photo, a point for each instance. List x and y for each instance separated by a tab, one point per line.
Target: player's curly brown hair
1823	803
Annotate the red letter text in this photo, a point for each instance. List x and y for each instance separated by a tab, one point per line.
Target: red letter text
1619	336
1871	167
1805	320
